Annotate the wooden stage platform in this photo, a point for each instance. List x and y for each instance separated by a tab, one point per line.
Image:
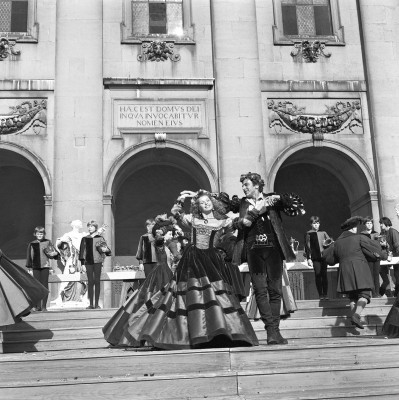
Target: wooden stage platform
62	355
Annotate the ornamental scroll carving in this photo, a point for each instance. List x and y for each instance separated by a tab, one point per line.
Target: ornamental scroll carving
343	116
157	51
23	116
310	51
7	48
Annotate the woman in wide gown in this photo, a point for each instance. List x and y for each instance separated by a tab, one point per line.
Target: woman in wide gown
165	252
19	291
197	307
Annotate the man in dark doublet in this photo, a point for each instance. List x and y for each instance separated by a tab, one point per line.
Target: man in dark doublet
261	241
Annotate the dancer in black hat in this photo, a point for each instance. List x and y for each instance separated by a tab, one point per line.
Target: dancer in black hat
354	276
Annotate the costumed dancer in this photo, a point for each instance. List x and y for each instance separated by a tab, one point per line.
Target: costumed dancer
39	253
146	249
116	328
374	265
93	250
354	276
391	324
315	242
20	292
197	308
261	242
392	238
69	245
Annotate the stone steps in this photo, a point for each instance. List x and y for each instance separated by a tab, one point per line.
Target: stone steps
64	352
279	372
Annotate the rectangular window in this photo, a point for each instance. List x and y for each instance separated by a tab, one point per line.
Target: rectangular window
157	20
157	17
14	15
306	18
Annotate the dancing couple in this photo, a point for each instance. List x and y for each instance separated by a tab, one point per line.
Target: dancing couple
199	305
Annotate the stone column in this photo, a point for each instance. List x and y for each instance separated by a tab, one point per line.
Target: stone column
238	92
380	21
109	237
78	113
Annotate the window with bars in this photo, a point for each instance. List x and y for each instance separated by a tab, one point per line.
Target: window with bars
307	19
157	17
14	16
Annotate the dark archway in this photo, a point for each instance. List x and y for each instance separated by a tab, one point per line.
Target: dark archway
323	195
22	208
332	185
147	185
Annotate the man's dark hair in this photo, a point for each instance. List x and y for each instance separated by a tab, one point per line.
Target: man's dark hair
314	218
386	221
255	178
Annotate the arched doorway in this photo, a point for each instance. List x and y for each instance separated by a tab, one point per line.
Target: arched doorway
146	185
22	208
332	185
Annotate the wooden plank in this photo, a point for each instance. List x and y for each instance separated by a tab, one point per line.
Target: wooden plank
378	394
105	276
70	313
52	345
313	359
331	331
321	312
128	388
57	324
114	364
337	303
319	384
61	333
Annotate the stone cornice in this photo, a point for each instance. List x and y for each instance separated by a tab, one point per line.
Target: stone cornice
157	83
313	86
27	84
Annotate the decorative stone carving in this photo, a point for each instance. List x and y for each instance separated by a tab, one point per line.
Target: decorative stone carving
7	48
157	51
310	51
28	114
339	116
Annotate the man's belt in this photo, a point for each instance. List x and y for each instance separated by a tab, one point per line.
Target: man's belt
262	241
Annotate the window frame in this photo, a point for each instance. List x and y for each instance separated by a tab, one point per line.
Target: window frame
127	36
32	31
336	39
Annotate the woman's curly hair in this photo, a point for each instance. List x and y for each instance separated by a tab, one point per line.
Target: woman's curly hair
219	208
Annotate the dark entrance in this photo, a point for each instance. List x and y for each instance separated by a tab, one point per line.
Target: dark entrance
22	205
147	185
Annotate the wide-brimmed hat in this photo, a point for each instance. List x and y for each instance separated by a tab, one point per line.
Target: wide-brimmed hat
352	222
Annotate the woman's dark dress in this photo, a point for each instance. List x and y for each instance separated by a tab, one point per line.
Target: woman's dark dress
19	291
115	329
197	307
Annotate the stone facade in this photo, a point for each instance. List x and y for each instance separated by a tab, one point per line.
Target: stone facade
229	94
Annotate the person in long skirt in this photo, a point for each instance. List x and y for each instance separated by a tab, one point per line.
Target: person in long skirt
197	307
19	291
115	329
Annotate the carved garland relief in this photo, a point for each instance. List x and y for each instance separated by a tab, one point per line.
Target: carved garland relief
30	116
342	116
